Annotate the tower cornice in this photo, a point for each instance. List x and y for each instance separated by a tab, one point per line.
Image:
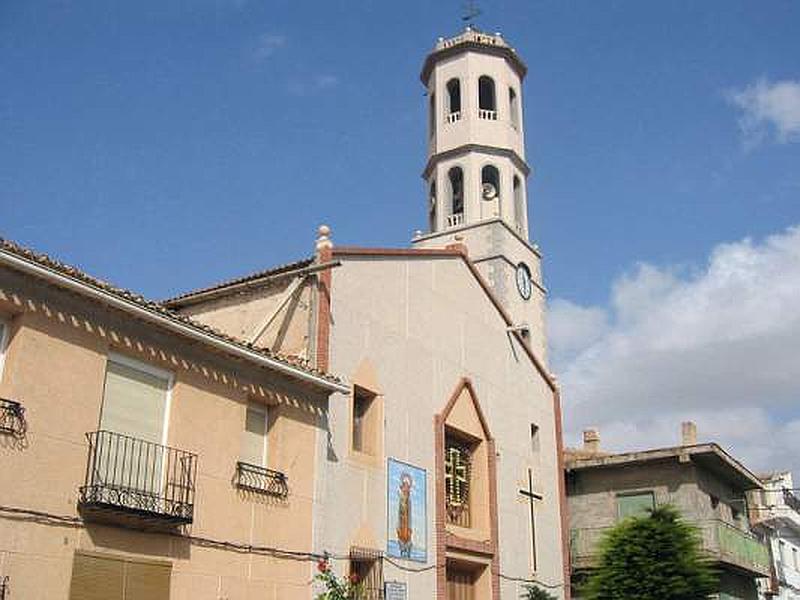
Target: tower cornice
472	41
467	148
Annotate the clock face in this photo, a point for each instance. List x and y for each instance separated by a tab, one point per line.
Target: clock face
524	281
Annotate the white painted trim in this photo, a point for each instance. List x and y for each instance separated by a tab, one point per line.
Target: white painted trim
4	333
171	324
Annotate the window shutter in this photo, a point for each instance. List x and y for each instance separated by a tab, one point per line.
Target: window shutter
134	402
254	436
96	578
116	578
146	581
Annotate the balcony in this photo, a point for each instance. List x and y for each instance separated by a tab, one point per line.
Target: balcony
133	481
261	480
722	542
487	115
453	117
12	418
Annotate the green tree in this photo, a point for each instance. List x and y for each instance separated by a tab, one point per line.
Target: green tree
656	557
533	592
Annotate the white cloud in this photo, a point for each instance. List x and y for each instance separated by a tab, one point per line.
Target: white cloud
719	345
312	85
769	108
267	45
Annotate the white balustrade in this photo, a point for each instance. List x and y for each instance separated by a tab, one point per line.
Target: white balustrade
489	115
453	116
455	220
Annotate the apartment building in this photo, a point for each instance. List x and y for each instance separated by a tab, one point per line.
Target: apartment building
703	481
145	456
775	512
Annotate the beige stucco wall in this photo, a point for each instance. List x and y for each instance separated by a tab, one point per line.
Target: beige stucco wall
55	366
424	323
496	252
244	315
468	67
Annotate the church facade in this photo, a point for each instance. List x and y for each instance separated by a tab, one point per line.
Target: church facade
439	472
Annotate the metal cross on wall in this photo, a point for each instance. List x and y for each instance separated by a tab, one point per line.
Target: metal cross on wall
531	496
471	11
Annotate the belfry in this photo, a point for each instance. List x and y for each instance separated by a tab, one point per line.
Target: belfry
476	173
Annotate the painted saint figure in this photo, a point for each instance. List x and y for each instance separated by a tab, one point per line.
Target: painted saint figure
404	530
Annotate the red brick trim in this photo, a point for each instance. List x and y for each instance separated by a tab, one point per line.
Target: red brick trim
445	539
562	494
439	524
324	279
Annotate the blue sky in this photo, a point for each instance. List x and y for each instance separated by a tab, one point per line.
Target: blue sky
167	144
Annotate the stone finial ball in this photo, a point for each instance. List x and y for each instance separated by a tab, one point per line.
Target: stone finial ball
324	231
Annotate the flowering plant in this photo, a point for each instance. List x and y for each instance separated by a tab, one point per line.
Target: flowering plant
346	588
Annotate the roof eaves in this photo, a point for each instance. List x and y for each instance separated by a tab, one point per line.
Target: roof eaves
48	264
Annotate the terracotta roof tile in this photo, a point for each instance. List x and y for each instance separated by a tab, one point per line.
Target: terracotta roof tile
158	307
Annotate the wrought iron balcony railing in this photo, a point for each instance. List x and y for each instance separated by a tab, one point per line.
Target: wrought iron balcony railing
128	478
721	542
12	418
261	480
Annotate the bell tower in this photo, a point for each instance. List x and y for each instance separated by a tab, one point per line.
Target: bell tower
476	173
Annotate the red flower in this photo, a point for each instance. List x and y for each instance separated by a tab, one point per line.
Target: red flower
353	578
322	565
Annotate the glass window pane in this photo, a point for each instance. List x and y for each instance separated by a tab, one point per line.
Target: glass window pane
635	505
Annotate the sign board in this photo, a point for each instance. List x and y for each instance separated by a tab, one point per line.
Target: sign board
395	590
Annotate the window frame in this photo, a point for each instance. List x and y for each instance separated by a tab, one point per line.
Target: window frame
368	434
264	408
633	493
147	368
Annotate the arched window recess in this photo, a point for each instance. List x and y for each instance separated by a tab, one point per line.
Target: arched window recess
456	178
487	99
453	101
490	183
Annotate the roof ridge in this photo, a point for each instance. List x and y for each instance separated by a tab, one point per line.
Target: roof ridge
276	270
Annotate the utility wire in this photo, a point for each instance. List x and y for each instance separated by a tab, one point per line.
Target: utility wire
70	521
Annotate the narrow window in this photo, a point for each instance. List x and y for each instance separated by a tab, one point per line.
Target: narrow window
364	423
132	424
795	559
254	435
487	102
513	107
635	505
519	205
432	207
534	439
457	476
453	100
456	177
490	182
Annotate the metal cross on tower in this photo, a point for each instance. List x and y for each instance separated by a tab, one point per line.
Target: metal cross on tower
471	12
531	497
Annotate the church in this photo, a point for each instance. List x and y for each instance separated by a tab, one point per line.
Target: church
441	469
388	411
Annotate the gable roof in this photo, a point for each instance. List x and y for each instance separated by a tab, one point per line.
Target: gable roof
38	264
200	294
456	252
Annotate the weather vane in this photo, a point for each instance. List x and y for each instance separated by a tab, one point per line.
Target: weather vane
471	12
